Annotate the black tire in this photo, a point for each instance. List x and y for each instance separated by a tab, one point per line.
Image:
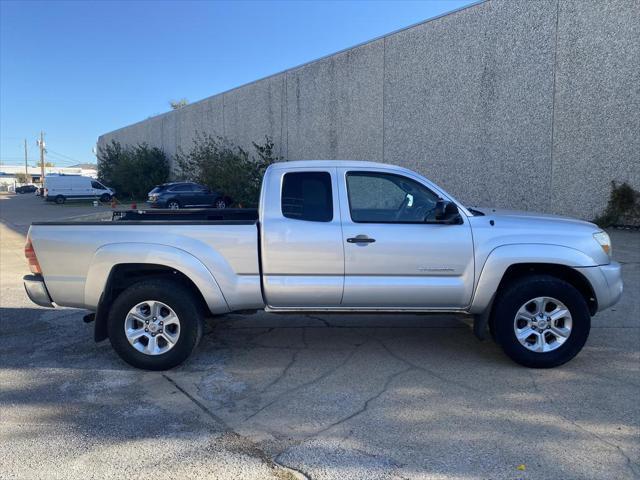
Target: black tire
60	199
175	202
220	203
177	297
516	295
105	198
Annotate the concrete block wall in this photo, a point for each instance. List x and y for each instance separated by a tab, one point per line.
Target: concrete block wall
508	103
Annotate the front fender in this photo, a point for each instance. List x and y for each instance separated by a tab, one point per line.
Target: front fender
503	257
110	255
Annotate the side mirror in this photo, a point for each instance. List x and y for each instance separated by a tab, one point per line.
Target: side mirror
447	212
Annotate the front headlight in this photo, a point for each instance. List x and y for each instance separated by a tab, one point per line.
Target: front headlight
604	241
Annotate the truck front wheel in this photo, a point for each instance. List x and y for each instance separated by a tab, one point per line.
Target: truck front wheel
155	324
541	321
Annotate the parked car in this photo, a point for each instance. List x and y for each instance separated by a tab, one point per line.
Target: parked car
26	189
59	188
329	237
178	195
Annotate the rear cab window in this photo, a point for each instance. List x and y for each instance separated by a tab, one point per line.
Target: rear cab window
307	196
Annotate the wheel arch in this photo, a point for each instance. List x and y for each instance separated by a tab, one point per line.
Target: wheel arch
117	266
563	272
509	262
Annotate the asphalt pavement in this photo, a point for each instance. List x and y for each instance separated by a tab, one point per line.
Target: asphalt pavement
317	396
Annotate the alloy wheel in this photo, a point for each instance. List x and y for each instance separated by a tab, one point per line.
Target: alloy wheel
152	327
542	324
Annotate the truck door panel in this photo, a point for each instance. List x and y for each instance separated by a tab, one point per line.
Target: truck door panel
302	252
392	257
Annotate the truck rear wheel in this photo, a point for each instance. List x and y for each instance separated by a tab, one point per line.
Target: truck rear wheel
60	199
541	321
155	324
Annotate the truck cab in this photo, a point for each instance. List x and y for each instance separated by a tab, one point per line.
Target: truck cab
362	237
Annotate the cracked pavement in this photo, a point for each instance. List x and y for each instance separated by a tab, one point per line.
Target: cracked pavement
327	397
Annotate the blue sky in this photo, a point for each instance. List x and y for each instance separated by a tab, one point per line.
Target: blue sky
79	69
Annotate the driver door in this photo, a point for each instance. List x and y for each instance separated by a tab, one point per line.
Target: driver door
393	259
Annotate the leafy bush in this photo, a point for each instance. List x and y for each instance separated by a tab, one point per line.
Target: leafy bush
132	171
22	178
222	166
178	104
623	207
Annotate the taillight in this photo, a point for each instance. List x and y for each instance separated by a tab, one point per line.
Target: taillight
32	260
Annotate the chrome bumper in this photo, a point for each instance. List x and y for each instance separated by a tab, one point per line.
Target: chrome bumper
37	290
606	281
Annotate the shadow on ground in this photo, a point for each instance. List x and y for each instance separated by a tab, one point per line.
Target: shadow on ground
392	396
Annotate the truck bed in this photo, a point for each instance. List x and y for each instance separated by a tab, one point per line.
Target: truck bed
223	242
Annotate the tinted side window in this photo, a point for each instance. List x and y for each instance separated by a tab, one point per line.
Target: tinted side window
307	196
181	188
388	198
95	184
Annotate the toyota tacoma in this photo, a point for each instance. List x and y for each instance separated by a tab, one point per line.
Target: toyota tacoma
329	236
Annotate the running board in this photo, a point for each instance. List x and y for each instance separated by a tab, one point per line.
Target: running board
271	309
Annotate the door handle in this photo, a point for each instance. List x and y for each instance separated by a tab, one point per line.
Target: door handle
361	239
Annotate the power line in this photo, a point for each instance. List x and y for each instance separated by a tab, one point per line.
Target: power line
63	155
59	159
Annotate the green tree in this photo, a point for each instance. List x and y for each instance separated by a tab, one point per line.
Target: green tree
216	162
110	157
23	178
132	171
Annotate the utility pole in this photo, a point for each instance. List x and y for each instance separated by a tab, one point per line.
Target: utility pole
41	145
26	159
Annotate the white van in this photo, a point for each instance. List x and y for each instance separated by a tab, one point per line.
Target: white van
60	188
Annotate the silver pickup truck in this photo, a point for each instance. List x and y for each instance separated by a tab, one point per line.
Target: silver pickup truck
329	236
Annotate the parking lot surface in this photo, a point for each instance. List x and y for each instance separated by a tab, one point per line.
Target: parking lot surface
317	396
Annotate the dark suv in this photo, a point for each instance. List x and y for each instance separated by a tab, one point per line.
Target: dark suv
184	195
26	189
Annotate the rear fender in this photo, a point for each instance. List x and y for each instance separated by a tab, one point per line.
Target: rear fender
110	255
